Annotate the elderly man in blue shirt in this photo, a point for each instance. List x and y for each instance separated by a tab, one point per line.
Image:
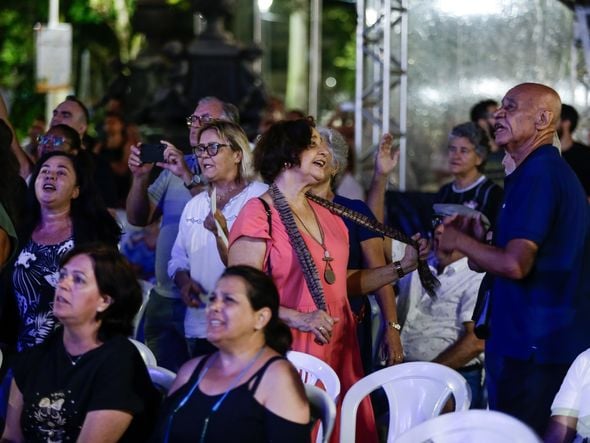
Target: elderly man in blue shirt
540	259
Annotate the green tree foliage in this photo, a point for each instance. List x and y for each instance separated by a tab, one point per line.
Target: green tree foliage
338	52
100	26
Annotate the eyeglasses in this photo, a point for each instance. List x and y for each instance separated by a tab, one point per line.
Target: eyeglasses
212	149
195	120
54	140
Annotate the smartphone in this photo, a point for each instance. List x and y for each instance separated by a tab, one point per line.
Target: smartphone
152	152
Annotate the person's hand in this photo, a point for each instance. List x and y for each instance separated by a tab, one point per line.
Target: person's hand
386	157
476	228
471	226
319	323
190	293
174	161
411	256
210	225
136	167
392	352
423	246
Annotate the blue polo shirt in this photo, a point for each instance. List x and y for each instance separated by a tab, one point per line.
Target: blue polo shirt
546	315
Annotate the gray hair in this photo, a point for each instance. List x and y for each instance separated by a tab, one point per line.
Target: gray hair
230	111
476	136
337	145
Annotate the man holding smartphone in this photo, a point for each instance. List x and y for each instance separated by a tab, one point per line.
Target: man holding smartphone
166	197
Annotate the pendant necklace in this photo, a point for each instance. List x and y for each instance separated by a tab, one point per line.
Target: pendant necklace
329	274
73	360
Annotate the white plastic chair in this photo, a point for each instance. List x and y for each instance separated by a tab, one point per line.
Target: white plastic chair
148	356
377	327
146	288
312	370
162	378
322	407
416	392
475	425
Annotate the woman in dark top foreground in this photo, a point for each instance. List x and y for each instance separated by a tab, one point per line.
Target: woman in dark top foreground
86	382
246	391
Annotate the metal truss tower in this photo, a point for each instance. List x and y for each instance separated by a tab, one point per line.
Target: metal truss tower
381	77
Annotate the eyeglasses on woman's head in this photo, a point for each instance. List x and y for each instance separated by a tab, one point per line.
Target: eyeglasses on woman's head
54	140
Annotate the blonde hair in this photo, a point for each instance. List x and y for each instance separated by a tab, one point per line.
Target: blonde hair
237	139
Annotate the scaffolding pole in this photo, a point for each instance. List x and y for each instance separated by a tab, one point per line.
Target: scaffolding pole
381	77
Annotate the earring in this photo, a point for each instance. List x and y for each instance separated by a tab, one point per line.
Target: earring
287	165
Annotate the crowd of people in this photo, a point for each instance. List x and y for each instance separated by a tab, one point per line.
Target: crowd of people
260	251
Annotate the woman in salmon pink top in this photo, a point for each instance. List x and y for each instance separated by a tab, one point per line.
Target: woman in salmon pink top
304	247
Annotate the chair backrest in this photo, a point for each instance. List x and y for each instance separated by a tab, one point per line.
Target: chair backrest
162	378
323	407
477	425
138	321
312	370
148	356
377	329
416	392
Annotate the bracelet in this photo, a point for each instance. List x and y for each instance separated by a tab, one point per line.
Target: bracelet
394	325
398	267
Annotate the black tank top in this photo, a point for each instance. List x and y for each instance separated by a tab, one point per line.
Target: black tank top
240	418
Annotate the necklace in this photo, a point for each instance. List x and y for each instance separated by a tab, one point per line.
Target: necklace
218	403
224	195
74	359
329	275
308	266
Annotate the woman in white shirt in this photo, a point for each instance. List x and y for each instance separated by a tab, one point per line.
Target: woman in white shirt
199	253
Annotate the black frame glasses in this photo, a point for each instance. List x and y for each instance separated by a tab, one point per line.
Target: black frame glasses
212	149
201	119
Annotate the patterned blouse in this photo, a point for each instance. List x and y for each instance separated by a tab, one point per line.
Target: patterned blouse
35	278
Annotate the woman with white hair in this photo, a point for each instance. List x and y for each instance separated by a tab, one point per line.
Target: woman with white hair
199	253
366	252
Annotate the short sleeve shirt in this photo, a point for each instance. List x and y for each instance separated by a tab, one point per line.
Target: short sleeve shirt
546	313
58	394
573	398
168	193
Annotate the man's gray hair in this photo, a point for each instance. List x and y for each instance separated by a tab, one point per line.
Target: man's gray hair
230	111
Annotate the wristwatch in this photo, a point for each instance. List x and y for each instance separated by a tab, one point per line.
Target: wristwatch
394	325
195	181
398	267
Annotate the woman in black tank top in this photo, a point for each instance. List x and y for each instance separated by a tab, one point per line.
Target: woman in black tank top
246	391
